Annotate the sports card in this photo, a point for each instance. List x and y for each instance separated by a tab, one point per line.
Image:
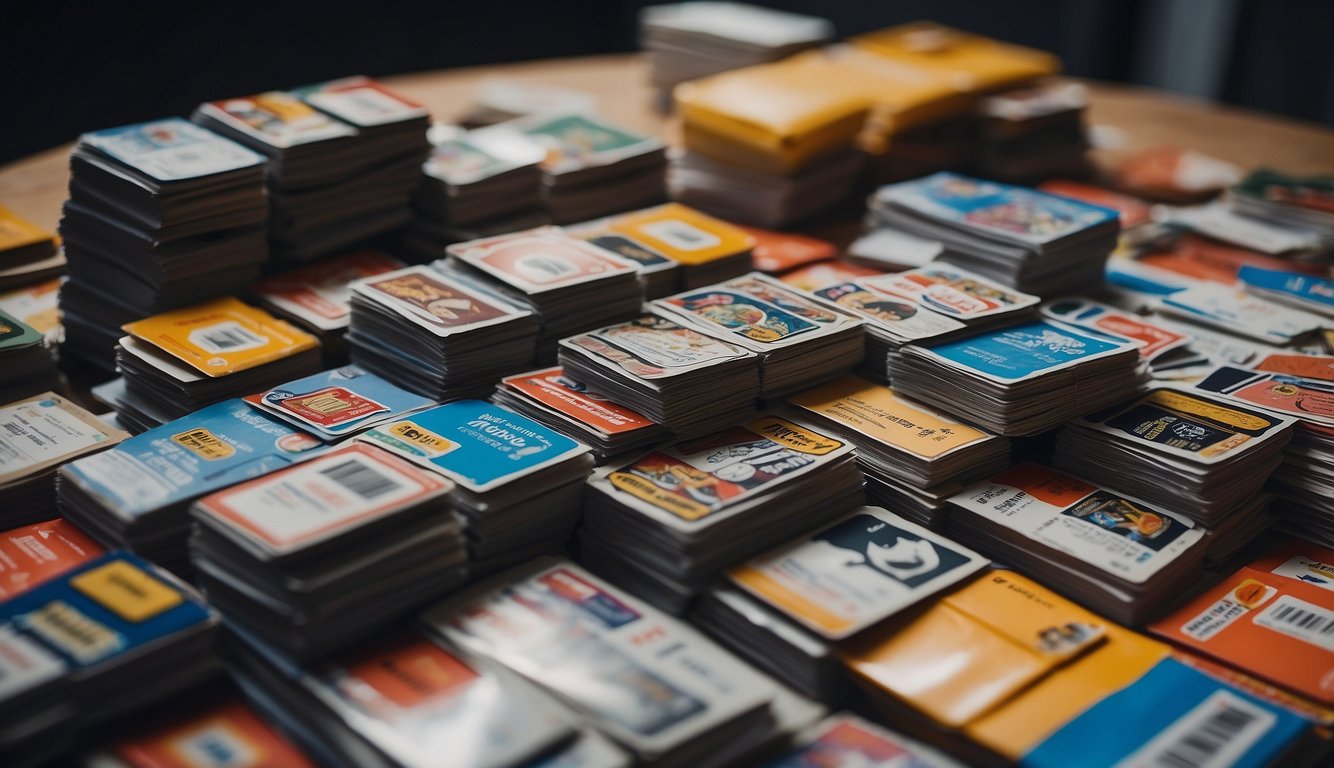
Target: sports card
683	234
1179	422
653	347
902	317
477	444
756	311
857	572
1242	314
38	553
172	149
1153	340
222	336
1025	351
319	293
551	388
1118	535
952	291
574	142
361	101
443	305
276	118
540	260
1296	398
776	252
339	401
45	431
880	413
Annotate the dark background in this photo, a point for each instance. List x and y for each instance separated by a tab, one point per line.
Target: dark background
67	67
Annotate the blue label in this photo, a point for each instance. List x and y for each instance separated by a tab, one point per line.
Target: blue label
1014	353
1304	287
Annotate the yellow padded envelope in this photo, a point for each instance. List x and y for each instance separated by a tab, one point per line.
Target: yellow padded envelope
974	63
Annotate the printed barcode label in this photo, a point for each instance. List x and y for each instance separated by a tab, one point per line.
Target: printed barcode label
227	336
361	479
1214	734
681	235
1297	618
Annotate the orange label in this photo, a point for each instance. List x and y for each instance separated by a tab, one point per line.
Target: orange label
37	553
410	671
1045	485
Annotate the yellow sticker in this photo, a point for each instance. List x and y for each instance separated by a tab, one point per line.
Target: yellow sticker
684	234
686	509
204	443
422	439
799	439
222	336
1179	401
129	592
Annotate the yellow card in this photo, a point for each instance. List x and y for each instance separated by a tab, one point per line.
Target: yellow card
876	411
17	232
129	592
976	64
684	234
222	336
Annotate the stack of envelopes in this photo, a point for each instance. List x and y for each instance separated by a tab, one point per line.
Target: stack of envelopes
322	554
667	523
440	335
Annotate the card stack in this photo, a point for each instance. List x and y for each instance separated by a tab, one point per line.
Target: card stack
554	399
913	458
1020	380
338	402
1029	240
37	435
1295	202
442	336
177	362
1184	451
769	145
684	379
161	215
28	360
517	483
225	730
1032	134
569	284
784	610
98	642
1240	314
667	523
315	298
1307	292
344	160
1163	348
137	495
651	683
934	303
1116	555
687	41
318	556
800	342
28	253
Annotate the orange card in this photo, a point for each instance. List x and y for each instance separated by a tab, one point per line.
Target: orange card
780	251
36	553
221	337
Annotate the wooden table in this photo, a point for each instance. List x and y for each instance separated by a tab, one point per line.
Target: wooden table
35	187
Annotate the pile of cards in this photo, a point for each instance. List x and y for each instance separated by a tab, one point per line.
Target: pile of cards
471	177
593	167
651	683
1306	292
1239	313
1029	240
338	402
554	399
687	41
1163	348
316	298
1032	134
800	342
100	641
137	494
914	458
322	554
37	435
569	284
1116	555
177	362
684	379
667	523
1020	380
344	160
443	336
161	215
28	253
1294	202
517	483
784	610
28	360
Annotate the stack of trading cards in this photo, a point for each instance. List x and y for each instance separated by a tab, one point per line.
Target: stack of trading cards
686	380
1029	240
338	402
847	741
161	215
28	253
137	494
443	336
913	457
570	285
98	642
322	554
592	167
180	361
1307	292
1295	202
37	435
1238	313
650	682
344	160
210	730
687	41
404	701
1184	451
825	587
1163	348
801	342
1032	134
27	358
34	554
517	483
668	522
316	298
551	397
1113	554
486	175
1020	380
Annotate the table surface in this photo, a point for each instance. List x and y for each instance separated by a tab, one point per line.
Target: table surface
1138	118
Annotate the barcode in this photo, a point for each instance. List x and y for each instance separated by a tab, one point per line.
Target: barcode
360	479
226	337
1202	744
1297	618
229	338
1216	733
1304	619
681	235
